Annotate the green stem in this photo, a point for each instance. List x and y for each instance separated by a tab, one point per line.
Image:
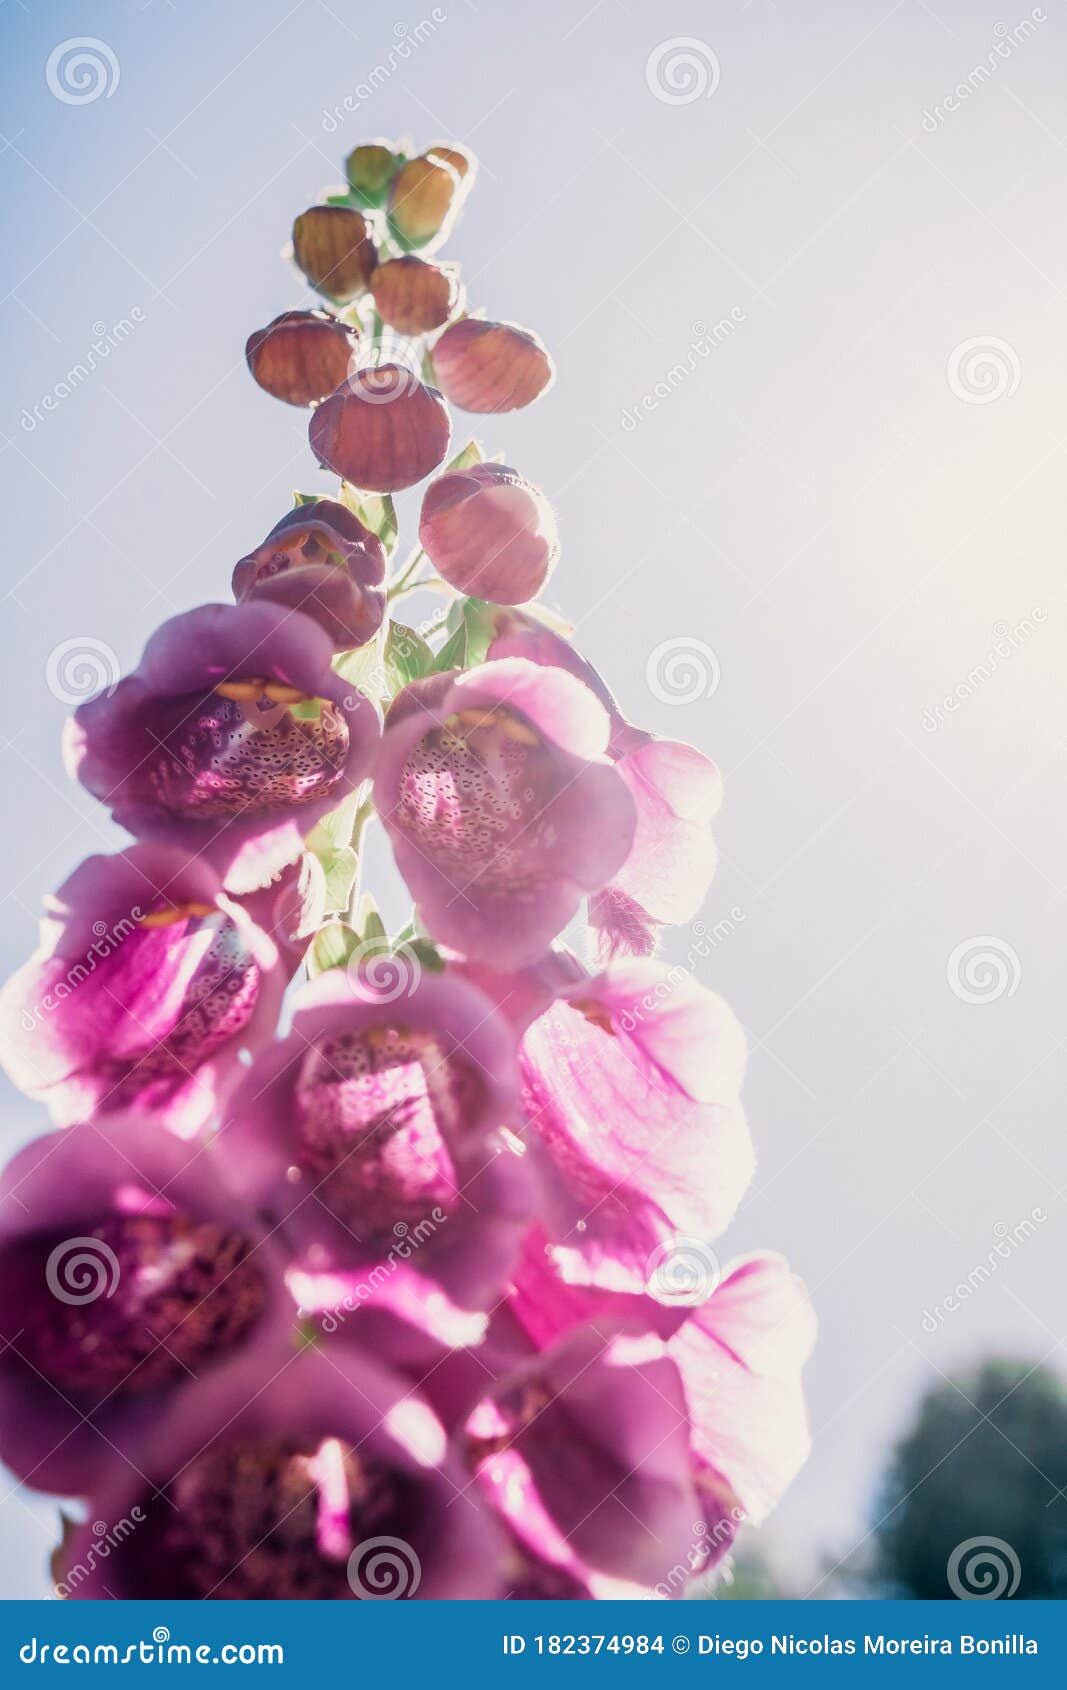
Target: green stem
400	581
429	583
363	815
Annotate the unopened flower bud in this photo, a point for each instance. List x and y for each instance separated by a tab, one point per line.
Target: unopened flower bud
382	430
320	559
370	169
490	533
412	296
461	159
422	198
332	247
302	356
491	366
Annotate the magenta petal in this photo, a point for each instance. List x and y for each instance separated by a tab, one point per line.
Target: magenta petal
525	993
125	1265
740	1356
372	1133
601	1429
238	783
109	1013
676	792
311	1473
632	1101
501	808
322	560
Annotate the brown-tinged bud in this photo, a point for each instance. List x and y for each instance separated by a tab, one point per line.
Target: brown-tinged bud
461	159
370	168
422	199
489	532
332	247
412	296
383	430
320	559
483	366
302	356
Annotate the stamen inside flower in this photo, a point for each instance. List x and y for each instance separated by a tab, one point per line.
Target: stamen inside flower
256	687
174	913
272	1520
181	988
127	1303
595	1013
474	796
241	751
381	1116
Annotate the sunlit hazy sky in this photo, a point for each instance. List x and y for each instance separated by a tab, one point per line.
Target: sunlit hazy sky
846	499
